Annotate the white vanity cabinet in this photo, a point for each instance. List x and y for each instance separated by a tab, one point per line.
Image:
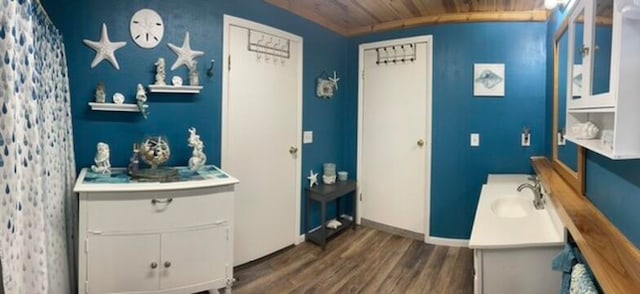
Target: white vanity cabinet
172	237
604	41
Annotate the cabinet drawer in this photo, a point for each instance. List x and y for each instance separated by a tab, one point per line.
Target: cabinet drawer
151	211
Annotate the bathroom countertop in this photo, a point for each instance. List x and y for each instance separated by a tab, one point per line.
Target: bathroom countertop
490	231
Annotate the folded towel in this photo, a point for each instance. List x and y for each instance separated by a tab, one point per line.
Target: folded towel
564	262
581	282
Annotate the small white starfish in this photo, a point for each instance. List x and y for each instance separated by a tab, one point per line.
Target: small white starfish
313	178
185	54
105	49
334	80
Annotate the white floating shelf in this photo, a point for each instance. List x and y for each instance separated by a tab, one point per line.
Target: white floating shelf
596	145
115	107
175	89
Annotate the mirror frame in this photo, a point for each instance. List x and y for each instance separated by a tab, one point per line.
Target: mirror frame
576	179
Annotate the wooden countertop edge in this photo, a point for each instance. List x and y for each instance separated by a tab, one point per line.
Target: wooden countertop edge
614	260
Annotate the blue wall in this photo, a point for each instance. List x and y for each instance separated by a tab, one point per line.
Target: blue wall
170	114
613	186
458	170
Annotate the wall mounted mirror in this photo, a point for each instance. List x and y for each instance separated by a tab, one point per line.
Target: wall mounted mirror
568	158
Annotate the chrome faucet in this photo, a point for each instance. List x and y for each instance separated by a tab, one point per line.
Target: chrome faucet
537	194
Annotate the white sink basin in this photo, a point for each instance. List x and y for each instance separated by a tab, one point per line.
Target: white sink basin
511	207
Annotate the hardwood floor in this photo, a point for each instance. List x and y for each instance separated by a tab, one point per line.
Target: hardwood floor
361	261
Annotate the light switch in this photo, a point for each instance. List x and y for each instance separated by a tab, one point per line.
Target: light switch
475	140
307	137
526	139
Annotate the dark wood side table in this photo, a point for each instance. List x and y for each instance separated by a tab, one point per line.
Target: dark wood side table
324	194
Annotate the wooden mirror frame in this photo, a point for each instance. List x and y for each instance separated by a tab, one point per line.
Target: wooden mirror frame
575	179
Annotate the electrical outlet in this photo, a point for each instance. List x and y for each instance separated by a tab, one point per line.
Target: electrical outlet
475	140
561	139
307	137
526	139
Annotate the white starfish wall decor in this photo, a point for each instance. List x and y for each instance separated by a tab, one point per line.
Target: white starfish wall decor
185	54
105	49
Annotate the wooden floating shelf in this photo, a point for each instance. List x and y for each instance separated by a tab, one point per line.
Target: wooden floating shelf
614	260
115	107
175	89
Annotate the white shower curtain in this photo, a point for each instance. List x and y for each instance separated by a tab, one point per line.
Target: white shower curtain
37	167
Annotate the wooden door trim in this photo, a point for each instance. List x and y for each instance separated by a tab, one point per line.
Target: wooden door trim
429	118
229	21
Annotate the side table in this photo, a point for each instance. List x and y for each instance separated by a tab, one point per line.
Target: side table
323	194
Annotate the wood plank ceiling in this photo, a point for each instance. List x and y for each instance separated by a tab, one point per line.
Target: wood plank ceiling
359	17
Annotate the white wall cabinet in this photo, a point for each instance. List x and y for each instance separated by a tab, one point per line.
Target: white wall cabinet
604	38
155	237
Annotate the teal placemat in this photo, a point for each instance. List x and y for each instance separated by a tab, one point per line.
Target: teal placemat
185	174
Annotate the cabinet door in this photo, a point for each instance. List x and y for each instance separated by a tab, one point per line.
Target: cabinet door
602	44
579	63
195	256
127	263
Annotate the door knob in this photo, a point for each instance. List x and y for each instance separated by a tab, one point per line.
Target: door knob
154	265
293	150
167	264
420	142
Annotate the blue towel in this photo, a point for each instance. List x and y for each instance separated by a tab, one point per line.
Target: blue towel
581	281
564	262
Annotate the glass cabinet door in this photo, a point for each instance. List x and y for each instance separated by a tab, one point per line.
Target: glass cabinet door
602	47
577	52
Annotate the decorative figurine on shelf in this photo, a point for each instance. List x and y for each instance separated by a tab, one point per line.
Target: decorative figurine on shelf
176	81
198	158
141	98
313	179
155	151
161	73
101	95
134	161
118	98
194	77
102	166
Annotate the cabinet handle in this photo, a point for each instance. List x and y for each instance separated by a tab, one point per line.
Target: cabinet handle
167	264
154	265
584	51
156	201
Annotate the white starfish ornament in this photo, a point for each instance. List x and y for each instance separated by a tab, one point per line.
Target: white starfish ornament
185	54
313	178
105	49
334	80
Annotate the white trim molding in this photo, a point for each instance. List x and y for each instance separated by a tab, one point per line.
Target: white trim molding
447	242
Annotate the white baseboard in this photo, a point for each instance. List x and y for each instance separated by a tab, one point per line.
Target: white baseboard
447	242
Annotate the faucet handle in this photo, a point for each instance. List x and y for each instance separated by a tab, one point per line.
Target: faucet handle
535	179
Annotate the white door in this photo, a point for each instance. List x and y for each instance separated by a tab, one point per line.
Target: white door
395	143
129	263
261	136
191	257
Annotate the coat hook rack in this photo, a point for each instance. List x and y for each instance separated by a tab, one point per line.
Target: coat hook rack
210	70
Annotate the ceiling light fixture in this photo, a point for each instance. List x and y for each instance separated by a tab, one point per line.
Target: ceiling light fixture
551	4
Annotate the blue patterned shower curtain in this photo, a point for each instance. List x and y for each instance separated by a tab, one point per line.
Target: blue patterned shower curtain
37	167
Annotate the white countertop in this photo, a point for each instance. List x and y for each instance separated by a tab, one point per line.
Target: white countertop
90	182
491	231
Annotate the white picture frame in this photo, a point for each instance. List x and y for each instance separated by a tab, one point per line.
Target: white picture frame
489	79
